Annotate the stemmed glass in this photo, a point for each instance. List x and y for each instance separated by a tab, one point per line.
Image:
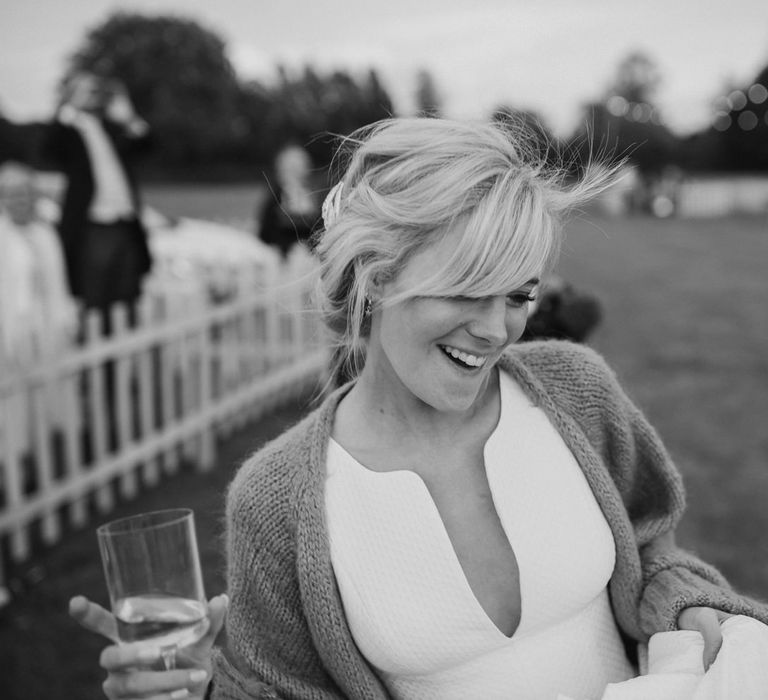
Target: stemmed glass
152	568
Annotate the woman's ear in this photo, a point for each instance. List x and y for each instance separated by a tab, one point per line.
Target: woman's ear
377	287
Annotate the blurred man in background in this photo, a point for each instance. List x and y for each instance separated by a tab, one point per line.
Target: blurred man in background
92	140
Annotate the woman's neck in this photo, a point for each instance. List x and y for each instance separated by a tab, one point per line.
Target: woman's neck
370	416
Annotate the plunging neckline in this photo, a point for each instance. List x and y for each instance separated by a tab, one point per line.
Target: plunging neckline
419	623
428	498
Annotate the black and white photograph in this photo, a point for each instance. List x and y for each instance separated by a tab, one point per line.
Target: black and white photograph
383	351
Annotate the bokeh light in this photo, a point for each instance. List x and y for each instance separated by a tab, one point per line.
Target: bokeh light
721	121
747	120
640	112
617	105
757	93
738	99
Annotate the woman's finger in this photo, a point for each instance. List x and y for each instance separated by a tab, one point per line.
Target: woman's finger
123	657
707	622
199	654
155	684
93	617
217	613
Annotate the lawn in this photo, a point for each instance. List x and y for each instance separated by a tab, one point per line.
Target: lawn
686	329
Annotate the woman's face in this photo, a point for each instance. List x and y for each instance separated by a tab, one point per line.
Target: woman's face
440	351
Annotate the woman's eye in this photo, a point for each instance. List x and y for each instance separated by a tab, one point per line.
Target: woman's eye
520	299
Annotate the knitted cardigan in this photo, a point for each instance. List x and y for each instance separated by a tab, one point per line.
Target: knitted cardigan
287	636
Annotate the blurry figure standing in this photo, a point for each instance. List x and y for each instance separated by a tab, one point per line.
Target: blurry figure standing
92	140
38	315
292	208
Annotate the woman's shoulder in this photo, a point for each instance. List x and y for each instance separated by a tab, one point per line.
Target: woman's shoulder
562	360
271	473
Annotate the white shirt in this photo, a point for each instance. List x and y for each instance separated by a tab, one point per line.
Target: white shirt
409	606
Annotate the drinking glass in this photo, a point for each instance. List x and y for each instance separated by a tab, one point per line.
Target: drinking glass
155	584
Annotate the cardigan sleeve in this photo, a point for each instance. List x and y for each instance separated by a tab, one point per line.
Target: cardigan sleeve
269	652
652	491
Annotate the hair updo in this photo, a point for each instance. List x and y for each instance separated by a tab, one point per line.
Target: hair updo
406	182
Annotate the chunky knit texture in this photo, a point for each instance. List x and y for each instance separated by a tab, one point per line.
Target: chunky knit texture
286	632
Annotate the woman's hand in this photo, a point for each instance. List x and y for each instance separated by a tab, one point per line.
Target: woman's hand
133	672
707	622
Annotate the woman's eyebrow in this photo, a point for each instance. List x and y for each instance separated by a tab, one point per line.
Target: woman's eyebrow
533	282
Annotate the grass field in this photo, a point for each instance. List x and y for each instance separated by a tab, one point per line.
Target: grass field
686	329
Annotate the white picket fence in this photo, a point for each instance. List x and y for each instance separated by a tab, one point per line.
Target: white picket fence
82	430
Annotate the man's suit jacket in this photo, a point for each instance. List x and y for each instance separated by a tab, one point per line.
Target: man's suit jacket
64	149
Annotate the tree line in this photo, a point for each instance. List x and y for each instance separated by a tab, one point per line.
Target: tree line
208	123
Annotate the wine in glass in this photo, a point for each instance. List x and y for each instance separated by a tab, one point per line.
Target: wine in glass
152	567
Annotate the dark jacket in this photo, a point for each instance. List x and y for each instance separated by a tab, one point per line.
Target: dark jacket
56	146
63	148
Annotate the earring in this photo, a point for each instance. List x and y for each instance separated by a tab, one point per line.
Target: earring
368	306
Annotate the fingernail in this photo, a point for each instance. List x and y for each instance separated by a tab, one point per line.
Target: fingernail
77	603
197	675
180	693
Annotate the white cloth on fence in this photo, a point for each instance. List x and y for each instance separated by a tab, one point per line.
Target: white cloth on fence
676	672
56	309
38	315
17	290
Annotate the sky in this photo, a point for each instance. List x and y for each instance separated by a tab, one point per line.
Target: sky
550	56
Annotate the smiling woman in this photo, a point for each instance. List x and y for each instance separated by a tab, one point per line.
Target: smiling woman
462	516
410	182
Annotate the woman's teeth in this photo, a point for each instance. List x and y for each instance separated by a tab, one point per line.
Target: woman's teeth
464	357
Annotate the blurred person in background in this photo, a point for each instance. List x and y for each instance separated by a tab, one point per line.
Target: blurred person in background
17	286
562	312
467	517
93	140
39	315
292	209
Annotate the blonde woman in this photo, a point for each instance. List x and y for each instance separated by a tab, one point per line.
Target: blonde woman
466	517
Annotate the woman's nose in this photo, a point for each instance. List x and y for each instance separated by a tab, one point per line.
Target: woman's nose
489	321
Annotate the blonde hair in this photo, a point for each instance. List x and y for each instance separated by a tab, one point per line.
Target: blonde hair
406	183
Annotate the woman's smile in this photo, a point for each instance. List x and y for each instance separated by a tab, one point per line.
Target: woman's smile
463	359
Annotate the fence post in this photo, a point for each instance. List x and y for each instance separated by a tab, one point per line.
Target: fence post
72	406
207	432
13	481
168	366
41	461
98	407
148	360
123	400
